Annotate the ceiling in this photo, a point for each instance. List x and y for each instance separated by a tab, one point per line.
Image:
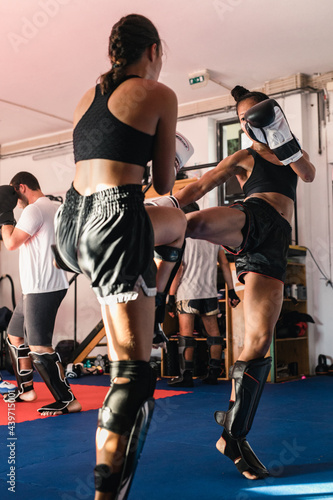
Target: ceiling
52	51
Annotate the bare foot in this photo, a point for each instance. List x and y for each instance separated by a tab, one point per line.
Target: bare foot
73	407
25	396
220	445
29	396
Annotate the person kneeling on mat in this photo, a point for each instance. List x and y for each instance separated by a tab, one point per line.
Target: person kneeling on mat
194	291
30	329
257	230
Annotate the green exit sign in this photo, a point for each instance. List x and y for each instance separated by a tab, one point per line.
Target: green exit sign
197	79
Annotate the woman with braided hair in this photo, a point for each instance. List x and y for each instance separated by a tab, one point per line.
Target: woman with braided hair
103	230
258	232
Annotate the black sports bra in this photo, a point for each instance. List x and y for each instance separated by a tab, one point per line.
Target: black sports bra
99	134
266	177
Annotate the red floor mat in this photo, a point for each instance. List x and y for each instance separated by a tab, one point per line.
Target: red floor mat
90	396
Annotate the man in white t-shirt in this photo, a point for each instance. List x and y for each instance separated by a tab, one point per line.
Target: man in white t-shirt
195	290
43	286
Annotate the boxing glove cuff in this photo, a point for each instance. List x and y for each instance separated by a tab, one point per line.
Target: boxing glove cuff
163	201
184	151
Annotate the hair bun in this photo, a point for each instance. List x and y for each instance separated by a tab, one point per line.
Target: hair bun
238	92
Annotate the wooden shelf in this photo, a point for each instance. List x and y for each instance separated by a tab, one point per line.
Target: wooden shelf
291	339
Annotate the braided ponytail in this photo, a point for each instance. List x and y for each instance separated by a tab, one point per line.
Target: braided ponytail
128	40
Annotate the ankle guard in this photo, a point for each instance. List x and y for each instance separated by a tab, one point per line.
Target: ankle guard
250	378
214	366
23	377
49	368
183	343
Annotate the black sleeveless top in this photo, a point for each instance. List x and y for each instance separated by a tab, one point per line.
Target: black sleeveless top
269	178
99	134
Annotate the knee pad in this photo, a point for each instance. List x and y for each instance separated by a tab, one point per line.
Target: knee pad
250	378
123	401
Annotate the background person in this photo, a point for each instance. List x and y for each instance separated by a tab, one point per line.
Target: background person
30	329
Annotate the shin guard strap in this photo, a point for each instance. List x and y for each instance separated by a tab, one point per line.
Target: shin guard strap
215	341
167	253
105	481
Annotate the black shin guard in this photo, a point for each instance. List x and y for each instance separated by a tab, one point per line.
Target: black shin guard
185	367
49	368
168	254
214	366
249	378
127	410
23	377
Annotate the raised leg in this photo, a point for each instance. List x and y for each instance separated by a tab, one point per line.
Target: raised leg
169	226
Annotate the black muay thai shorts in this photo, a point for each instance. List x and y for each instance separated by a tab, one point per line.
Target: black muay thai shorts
108	237
267	236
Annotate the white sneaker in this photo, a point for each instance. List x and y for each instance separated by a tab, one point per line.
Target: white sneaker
5	386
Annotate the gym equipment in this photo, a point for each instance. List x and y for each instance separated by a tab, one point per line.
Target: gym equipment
322	368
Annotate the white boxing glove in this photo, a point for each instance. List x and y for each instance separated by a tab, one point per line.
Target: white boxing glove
266	123
184	151
163	201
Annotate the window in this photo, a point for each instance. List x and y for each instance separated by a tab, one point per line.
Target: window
230	139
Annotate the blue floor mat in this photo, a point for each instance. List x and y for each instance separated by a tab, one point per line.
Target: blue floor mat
292	434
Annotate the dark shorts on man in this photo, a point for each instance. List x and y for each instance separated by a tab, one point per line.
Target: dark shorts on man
267	236
34	317
108	237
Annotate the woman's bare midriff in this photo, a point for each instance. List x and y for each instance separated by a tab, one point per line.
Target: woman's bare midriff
282	204
96	175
